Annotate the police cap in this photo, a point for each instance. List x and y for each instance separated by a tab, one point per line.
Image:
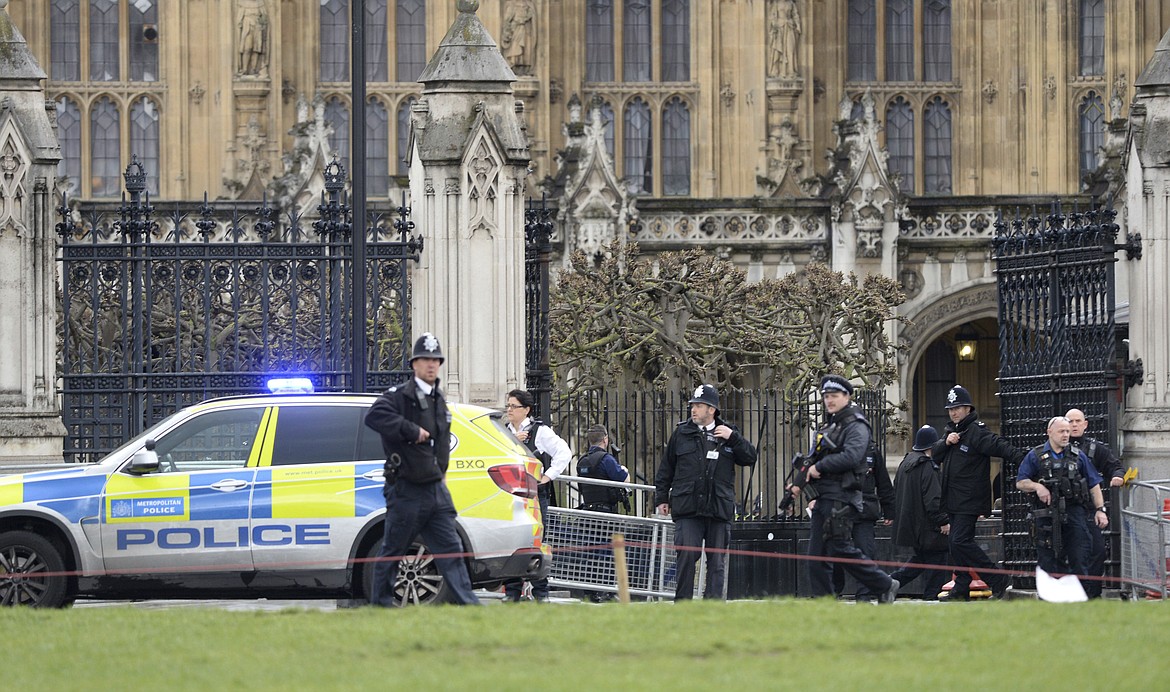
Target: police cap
836	383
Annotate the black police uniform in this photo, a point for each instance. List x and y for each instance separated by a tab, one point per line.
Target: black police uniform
1109	467
839	504
966	493
1069	478
877	502
599	498
418	503
701	493
918	492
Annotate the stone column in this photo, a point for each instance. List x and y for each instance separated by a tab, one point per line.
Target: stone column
468	163
30	419
1146	423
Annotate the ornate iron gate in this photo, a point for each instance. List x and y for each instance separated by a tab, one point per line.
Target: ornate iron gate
538	229
1057	341
161	311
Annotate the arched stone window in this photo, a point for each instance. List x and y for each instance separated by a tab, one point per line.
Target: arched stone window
638	147
404	134
105	144
676	148
599	41
69	135
607	120
936	40
377	64
144	140
143	41
1092	37
337	115
65	51
936	140
334	38
899	40
1092	132
636	42
676	39
410	32
900	141
377	148
861	31
103	41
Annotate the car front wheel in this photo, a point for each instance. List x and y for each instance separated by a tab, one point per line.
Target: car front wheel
31	571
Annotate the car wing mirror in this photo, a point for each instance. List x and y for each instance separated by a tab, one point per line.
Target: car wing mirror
144	460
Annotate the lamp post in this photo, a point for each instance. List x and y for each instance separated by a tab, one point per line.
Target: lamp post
357	139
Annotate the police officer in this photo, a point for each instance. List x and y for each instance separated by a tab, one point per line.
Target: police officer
1110	469
835	477
964	453
415	426
598	464
554	455
695	484
1068	491
920	523
877	503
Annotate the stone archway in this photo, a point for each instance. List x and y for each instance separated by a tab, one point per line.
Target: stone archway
939	322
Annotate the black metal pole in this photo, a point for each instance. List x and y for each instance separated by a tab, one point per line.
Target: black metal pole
357	139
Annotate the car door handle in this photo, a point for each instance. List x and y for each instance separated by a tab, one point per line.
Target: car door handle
375	475
229	484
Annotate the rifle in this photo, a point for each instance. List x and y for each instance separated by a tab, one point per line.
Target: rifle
797	477
798	473
1055	510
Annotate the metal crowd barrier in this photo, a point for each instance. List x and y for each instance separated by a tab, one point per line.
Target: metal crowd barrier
1145	530
582	551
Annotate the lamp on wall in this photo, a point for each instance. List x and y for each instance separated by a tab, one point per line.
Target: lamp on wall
967	343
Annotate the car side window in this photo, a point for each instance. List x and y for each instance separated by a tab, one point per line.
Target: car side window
316	434
215	440
370	444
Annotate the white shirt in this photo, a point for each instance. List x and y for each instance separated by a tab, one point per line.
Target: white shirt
551	444
423	387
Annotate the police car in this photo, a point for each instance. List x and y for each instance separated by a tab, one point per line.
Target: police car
276	496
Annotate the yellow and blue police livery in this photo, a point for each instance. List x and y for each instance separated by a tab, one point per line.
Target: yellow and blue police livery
259	496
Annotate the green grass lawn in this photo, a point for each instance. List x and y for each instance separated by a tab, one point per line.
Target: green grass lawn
778	644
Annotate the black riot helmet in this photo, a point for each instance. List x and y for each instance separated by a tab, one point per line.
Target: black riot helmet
427	346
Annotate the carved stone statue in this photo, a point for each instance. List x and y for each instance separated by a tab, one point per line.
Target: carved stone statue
783	39
519	37
252	23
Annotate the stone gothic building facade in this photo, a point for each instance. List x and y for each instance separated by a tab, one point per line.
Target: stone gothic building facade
880	136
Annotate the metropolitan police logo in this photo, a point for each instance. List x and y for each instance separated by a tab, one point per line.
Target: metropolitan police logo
952	397
430	343
698	392
121	509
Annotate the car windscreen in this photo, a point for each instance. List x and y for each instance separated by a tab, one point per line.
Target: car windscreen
138	440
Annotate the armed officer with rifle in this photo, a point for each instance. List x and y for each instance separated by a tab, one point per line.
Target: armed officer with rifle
1067	487
831	478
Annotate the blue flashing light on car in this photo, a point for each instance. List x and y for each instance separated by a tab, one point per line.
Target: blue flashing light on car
290	385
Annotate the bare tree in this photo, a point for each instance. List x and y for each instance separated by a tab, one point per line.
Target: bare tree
665	322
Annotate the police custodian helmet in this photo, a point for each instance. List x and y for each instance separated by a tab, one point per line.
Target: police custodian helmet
705	394
925	438
427	346
959	396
